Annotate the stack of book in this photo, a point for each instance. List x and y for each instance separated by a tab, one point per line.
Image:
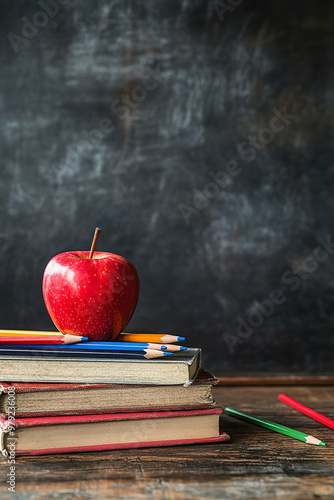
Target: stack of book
57	399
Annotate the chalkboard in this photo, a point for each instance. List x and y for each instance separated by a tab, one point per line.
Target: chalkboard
198	135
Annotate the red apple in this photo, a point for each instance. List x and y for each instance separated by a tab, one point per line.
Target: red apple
94	297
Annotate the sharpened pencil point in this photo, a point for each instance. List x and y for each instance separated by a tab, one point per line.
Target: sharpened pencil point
180	338
163	347
84	339
183	348
167	353
313	440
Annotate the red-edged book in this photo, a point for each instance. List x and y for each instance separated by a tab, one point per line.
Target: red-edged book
36	399
39	436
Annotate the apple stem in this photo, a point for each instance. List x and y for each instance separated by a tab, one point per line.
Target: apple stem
96	235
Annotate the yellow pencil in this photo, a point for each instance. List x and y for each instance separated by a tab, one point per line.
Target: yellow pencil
149	337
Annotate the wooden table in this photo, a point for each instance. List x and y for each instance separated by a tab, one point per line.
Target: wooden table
255	463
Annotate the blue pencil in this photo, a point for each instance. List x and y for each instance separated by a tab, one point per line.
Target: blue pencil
78	353
103	346
86	346
143	345
146	345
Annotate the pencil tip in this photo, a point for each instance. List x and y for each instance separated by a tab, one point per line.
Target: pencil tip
183	348
163	347
83	339
181	338
167	353
313	440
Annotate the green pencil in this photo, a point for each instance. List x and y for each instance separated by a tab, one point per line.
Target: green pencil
273	426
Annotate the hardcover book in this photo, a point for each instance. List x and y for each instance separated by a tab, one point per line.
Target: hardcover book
38	436
181	368
36	399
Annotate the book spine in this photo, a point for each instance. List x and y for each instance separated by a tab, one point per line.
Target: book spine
4	451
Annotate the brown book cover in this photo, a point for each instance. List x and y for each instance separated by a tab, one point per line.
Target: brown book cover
40	399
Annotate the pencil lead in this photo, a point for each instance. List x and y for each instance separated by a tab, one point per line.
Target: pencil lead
183	348
313	440
181	338
167	353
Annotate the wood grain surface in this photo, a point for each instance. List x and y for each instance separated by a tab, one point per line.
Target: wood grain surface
254	464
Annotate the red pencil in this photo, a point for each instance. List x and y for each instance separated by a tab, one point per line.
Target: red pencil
39	339
304	409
